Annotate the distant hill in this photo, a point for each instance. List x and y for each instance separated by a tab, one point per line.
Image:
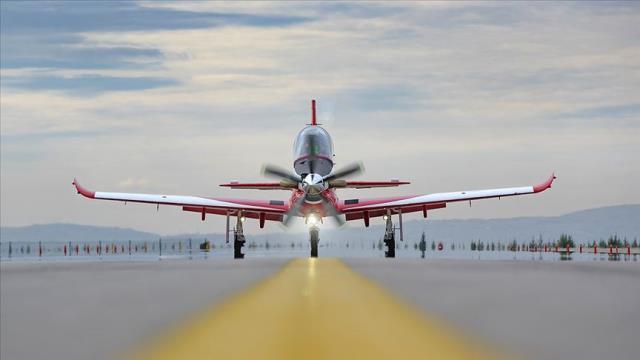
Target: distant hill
585	226
71	232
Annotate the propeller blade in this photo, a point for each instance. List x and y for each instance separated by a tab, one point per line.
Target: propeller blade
293	210
277	172
330	210
337	183
348	170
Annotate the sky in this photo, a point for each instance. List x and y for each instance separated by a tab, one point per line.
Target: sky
176	98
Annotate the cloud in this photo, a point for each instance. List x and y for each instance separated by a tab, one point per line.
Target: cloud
93	16
130	183
447	95
613	111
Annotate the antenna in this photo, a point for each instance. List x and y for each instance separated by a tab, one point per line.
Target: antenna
313	112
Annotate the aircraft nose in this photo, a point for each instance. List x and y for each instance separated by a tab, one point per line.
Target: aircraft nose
316	188
313	179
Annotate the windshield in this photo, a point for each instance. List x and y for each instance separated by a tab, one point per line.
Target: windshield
313	140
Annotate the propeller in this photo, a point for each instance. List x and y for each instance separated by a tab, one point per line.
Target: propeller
280	173
349	170
313	185
293	210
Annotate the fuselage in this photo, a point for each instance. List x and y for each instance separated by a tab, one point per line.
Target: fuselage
313	159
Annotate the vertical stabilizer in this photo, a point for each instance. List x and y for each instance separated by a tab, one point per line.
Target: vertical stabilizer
313	113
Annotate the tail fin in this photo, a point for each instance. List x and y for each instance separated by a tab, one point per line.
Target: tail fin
313	112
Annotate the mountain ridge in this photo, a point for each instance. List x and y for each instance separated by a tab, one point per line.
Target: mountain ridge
584	225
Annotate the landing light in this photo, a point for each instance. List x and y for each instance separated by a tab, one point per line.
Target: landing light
385	217
312	220
243	219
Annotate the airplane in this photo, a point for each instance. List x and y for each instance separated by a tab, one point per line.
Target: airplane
313	185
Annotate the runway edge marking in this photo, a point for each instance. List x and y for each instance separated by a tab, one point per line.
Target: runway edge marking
313	309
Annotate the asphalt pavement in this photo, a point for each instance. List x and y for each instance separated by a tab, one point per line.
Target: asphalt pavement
529	309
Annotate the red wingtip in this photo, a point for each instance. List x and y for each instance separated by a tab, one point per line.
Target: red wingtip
81	190
545	185
313	113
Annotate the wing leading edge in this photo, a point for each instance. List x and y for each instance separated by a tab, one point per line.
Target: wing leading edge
271	210
361	208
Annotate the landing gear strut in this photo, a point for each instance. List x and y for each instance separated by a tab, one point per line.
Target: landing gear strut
390	238
314	238
238	238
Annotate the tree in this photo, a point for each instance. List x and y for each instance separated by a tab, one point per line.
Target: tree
433	245
564	241
602	244
635	243
614	241
540	241
423	243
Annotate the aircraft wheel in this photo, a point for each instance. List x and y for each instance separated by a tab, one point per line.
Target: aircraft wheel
237	248
391	247
314	239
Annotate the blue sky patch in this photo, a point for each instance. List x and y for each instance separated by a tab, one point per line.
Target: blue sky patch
87	85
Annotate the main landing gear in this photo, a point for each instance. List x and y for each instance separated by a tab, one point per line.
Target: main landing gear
390	239
314	239
238	238
390	235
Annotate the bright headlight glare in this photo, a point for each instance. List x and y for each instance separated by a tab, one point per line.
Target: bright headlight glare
312	220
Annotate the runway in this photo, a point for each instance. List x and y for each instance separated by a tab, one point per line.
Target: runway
324	308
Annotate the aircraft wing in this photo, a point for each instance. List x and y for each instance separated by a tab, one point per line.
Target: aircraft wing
373	184
257	186
262	209
365	208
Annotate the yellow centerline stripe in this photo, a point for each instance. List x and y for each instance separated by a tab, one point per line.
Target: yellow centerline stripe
313	309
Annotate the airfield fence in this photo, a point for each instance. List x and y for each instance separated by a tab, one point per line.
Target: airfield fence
194	248
138	248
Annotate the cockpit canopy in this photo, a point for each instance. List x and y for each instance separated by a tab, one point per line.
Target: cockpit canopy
316	136
313	151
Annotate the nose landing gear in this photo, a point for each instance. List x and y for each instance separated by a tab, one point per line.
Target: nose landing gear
314	238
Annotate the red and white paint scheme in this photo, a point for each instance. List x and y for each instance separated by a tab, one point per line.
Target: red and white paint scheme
313	185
